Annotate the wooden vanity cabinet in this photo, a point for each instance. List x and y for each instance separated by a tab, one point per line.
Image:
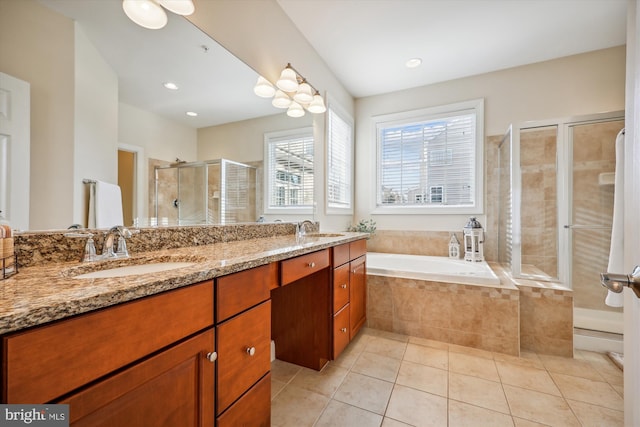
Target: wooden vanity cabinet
46	362
243	334
144	358
349	292
301	314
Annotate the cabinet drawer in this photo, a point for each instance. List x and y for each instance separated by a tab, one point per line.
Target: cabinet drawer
340	331
304	265
49	361
252	409
340	287
239	291
357	248
244	353
340	254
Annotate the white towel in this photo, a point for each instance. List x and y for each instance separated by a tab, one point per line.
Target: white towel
105	205
616	252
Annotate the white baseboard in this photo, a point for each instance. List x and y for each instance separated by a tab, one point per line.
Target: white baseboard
599	342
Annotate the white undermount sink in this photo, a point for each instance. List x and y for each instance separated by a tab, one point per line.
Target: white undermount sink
132	270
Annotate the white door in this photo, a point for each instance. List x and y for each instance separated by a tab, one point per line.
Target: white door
14	151
631	223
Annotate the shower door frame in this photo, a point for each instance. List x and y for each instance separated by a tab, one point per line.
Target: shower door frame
564	183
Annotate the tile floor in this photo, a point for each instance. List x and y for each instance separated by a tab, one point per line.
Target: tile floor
390	380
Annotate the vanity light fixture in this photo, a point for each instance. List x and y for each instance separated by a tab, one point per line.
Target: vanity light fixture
191	114
293	92
170	85
150	13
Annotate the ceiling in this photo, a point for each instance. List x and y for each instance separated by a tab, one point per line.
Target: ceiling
367	42
364	42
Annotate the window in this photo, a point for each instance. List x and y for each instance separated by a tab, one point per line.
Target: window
339	161
430	161
289	171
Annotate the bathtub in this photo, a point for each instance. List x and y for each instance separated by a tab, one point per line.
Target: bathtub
431	268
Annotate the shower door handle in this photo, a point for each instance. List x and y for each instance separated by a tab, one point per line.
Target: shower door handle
616	282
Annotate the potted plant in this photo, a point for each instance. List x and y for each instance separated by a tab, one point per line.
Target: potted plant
364	226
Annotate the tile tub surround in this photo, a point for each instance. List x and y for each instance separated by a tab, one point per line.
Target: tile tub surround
398	380
36	248
524	315
40	294
475	316
414	242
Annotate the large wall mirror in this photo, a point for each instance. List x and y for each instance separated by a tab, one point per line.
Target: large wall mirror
119	104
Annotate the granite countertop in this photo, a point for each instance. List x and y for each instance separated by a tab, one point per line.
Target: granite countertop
37	295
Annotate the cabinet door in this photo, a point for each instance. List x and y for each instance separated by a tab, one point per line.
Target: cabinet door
341	335
340	287
173	388
357	295
244	353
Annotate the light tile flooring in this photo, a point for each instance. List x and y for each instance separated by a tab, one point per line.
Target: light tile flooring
390	380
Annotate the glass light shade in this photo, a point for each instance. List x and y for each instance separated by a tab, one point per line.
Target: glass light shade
180	7
288	80
281	100
304	94
146	13
264	88
295	110
317	105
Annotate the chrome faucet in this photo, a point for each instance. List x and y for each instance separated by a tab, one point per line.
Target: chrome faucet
301	227
122	233
109	243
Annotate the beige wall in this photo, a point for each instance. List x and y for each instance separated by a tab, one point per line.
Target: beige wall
37	46
158	138
95	124
580	84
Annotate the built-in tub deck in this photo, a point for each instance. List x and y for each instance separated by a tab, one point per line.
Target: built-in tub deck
433	268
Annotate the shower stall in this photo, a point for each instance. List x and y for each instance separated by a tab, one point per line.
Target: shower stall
217	191
556	208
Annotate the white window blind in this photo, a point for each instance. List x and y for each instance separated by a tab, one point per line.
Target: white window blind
429	161
339	161
289	169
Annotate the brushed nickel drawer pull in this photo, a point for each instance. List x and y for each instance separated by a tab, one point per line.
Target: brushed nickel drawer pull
212	357
251	351
343	330
312	264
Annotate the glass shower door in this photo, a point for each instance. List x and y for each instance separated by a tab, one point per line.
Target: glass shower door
593	161
192	195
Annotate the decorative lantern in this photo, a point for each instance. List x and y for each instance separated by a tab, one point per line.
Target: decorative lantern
473	240
454	247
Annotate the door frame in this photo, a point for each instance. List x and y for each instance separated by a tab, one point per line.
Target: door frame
140	188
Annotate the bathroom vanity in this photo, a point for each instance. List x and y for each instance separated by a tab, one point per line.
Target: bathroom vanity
189	346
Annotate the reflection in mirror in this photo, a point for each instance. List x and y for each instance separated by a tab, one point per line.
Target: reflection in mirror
212	192
113	96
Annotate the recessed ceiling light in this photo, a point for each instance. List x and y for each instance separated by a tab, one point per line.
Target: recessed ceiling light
413	63
170	85
192	113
